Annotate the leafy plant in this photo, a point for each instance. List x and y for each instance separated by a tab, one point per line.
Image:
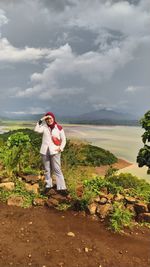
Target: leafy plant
137	187
98	183
28	170
19	190
120	217
4	195
63	206
143	157
15	152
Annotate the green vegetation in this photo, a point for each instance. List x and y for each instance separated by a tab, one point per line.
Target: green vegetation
63	206
16	124
77	153
143	157
19	153
120	217
15	151
136	187
20	190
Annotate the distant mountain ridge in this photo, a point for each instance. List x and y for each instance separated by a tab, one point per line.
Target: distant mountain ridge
107	114
102	116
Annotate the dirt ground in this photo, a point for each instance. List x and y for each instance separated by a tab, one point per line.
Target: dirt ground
118	165
37	237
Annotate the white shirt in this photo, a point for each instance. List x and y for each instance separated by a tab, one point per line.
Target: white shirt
47	142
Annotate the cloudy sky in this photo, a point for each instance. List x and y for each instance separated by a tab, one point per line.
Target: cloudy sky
74	56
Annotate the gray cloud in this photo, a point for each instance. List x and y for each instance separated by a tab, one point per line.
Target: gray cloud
88	55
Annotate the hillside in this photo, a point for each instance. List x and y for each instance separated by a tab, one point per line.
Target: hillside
46	226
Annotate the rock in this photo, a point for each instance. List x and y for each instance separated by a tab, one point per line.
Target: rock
140	207
86	250
52	192
79	191
130	207
71	234
94	217
103	200
32	188
97	199
4	180
82	213
110	196
8	186
15	201
79	250
61	264
118	197
127	190
92	208
38	202
59	198
51	202
104	190
144	217
103	210
32	179
130	200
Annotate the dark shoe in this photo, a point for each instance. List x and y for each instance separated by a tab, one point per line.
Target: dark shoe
63	192
46	191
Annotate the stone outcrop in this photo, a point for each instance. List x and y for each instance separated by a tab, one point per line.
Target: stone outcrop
99	207
140	207
32	179
7	186
130	200
38	202
144	217
103	210
118	197
15	201
92	208
32	188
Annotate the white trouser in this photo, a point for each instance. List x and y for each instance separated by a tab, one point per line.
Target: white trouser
52	163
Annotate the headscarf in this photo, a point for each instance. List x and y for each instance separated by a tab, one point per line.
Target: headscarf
54	122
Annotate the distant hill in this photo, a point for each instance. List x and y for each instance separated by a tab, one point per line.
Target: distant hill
104	114
99	117
104	117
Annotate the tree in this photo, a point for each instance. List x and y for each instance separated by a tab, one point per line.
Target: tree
143	158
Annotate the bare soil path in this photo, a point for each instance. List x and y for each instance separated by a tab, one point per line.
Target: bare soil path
37	237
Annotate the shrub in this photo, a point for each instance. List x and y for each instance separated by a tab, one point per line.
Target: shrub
143	157
19	190
78	153
138	187
97	183
15	151
120	217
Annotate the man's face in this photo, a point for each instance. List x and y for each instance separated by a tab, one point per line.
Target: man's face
49	120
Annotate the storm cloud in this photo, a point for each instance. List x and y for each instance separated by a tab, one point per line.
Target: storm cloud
73	57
